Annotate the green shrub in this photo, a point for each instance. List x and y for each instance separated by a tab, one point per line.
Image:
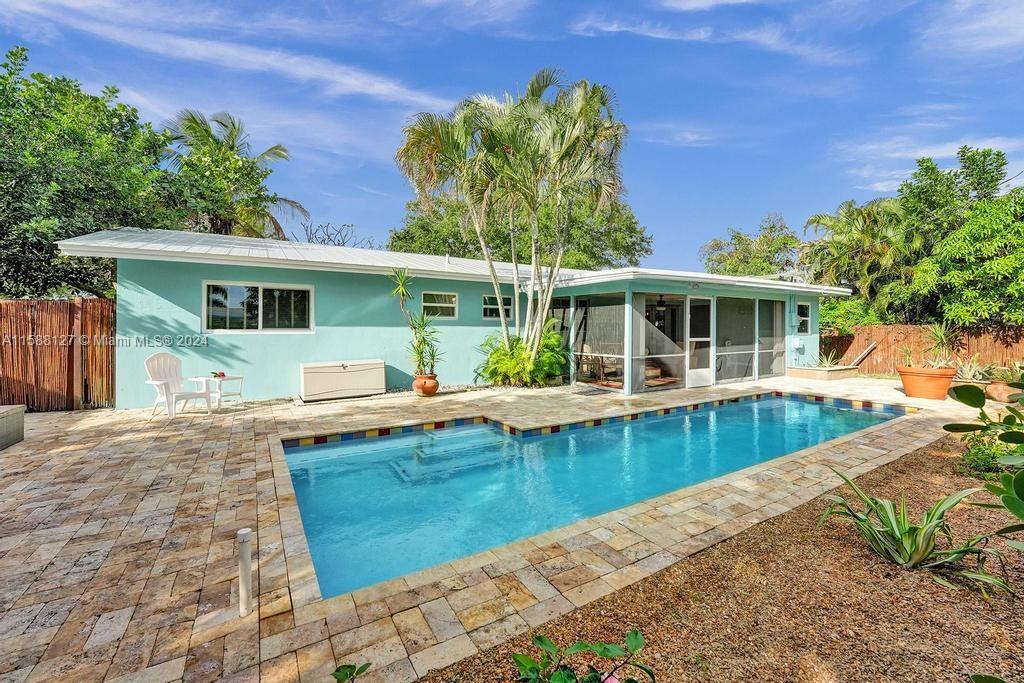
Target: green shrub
512	366
842	314
889	532
552	665
981	460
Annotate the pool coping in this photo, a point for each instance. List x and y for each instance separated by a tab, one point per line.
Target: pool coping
436	616
304	440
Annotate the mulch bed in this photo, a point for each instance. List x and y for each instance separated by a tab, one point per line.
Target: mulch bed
788	601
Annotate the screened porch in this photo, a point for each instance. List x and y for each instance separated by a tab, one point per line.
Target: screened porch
649	340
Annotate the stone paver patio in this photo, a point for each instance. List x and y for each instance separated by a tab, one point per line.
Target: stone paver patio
118	560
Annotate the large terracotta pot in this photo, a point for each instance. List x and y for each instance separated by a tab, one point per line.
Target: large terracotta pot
926	382
425	385
1000	391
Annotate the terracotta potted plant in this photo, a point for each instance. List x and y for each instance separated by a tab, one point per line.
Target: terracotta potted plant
423	348
999	388
933	379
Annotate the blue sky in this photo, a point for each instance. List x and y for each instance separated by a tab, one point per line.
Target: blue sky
736	108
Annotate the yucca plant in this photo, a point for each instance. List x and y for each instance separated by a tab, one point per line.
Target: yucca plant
889	532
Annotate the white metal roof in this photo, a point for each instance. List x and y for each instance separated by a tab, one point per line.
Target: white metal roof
196	247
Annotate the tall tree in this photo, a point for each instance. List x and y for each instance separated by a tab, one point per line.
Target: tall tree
521	153
611	237
771	250
222	182
71	163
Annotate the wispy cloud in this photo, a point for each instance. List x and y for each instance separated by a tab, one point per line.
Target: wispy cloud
335	78
908	148
702	5
991	29
595	25
770	37
370	190
675	134
460	13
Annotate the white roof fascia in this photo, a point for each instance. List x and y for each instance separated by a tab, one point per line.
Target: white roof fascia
623	274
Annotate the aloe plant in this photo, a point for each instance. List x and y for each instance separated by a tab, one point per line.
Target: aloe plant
889	532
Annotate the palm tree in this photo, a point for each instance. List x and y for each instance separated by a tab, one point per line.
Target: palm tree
192	131
863	246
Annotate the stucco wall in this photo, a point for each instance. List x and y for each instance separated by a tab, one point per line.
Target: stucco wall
355	317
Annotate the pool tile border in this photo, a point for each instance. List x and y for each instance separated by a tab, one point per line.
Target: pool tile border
384	432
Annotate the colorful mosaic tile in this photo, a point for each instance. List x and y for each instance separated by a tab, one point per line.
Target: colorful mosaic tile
845	403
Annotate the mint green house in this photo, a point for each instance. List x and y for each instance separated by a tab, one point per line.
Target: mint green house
262	308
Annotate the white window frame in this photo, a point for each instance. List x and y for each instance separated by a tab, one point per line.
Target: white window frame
800	318
486	306
261	285
454	305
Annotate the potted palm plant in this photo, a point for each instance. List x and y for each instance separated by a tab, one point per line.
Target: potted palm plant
931	380
423	349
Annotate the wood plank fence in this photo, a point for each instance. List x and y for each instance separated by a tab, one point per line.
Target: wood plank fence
57	355
1002	348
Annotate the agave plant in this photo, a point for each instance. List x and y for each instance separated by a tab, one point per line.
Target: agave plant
828	359
889	532
973	370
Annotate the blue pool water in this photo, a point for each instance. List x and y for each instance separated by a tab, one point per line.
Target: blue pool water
380	508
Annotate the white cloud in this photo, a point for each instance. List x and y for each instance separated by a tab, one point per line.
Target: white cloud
335	78
769	37
701	5
594	25
675	134
904	147
980	28
462	13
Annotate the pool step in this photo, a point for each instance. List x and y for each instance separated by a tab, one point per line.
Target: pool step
447	455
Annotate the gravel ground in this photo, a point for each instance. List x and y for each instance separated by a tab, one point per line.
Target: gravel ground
787	601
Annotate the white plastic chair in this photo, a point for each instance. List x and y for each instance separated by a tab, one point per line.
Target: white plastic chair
164	370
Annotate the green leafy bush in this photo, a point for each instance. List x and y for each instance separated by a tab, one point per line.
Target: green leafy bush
889	532
346	673
552	665
982	457
512	366
842	314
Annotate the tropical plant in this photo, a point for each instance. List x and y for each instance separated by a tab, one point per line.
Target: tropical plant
552	666
423	349
973	370
842	314
226	191
1009	430
860	246
906	356
771	250
349	672
828	359
944	340
514	367
889	532
499	157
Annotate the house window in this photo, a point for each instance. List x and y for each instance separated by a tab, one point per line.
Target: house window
491	307
803	318
441	305
244	307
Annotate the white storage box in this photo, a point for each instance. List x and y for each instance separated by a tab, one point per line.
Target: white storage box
341	379
12	425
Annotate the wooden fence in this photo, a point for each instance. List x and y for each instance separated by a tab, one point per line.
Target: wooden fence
57	355
1001	349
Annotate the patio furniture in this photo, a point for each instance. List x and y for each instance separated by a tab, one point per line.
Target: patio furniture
12	425
215	385
164	370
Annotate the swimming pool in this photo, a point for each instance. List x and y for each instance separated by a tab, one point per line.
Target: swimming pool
375	509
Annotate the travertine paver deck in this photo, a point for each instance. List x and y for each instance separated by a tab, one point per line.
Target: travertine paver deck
117	554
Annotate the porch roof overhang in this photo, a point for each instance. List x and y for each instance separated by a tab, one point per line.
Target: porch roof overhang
568	282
